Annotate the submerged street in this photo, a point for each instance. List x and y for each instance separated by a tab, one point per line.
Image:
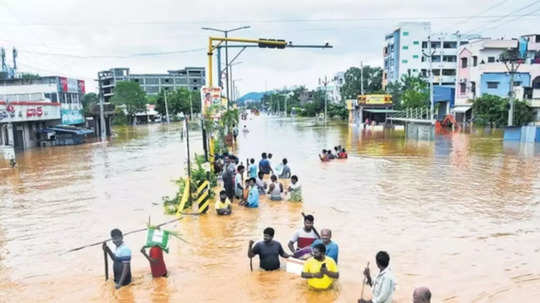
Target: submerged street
460	214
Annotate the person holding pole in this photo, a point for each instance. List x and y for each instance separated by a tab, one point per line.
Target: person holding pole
121	258
384	285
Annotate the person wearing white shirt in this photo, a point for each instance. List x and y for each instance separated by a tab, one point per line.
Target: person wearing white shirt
384	285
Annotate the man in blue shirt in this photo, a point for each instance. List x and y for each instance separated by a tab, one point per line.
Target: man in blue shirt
332	249
121	259
264	164
253	195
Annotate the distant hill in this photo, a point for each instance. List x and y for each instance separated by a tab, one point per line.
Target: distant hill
251	97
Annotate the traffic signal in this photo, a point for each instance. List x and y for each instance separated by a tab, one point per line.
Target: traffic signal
272	43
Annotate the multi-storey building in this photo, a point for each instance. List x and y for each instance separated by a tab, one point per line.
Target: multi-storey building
29	106
406	48
192	78
333	87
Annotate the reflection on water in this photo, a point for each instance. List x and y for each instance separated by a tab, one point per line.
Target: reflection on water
459	214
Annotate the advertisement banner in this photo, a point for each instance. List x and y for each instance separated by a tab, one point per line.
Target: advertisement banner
72	114
64	84
73	86
210	96
375	99
82	87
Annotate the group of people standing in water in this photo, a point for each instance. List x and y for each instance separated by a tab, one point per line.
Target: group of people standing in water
339	153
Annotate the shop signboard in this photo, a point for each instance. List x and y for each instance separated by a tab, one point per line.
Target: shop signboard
28	111
72	114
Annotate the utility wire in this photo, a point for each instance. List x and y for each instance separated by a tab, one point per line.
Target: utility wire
149	54
483	28
461	23
509	21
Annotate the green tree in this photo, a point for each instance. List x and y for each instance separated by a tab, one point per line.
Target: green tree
352	86
179	101
88	101
130	94
29	76
409	92
490	110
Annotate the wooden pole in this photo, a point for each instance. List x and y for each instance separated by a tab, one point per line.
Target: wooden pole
106	259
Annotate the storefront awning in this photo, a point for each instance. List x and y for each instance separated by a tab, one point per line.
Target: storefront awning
381	111
461	109
69	130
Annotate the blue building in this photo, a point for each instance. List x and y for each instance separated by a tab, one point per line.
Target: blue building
498	84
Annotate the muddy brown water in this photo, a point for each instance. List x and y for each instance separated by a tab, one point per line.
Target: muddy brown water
460	215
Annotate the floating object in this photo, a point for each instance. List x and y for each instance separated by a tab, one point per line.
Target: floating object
157	237
295	266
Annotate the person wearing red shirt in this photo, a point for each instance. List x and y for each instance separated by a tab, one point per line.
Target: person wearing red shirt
157	264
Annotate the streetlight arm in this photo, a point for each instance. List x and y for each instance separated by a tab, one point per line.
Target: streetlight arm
213	29
238	28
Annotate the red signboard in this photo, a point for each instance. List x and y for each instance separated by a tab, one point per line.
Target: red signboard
81	86
64	84
34	112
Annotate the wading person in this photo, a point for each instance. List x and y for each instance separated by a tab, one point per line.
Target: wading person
157	264
320	270
421	295
264	164
268	251
323	156
303	238
261	184
295	190
384	284
252	169
235	132
238	183
228	177
285	170
121	259
253	195
332	249
223	204
275	189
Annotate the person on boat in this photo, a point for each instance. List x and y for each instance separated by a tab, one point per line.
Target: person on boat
268	251
320	270
261	184
264	164
285	170
223	204
303	237
332	249
239	183
422	295
252	169
275	189
253	195
295	190
385	284
121	258
157	264
342	154
323	156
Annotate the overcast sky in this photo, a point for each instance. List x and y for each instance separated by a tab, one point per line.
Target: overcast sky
79	38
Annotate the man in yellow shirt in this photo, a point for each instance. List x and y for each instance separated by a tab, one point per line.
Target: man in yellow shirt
223	204
320	270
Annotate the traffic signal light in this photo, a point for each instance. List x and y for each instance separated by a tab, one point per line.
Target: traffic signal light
272	43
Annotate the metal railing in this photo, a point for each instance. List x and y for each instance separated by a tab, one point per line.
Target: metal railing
418	113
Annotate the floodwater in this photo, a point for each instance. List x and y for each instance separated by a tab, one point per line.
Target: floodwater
460	215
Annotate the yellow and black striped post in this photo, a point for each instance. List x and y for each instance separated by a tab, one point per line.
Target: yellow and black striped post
202	196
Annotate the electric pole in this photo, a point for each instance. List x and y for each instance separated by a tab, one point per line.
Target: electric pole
511	60
361	77
429	56
102	132
166	105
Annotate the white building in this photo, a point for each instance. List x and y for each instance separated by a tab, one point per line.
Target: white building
333	88
405	46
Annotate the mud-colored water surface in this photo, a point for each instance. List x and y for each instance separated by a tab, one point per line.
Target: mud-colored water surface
460	214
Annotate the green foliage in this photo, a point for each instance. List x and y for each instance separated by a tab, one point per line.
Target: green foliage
89	100
178	101
151	99
409	92
29	76
352	86
130	94
120	117
492	111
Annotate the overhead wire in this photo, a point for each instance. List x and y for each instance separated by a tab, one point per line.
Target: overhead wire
483	28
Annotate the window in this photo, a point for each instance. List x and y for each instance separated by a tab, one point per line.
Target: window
462	87
435	44
166	81
491	59
436	72
424	44
475	60
405	47
151	89
424	72
405	33
537	38
450	44
517	83
180	81
415	56
415	70
404	61
416	42
449	58
492	85
449	72
436	59
463	42
152	80
473	87
463	62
